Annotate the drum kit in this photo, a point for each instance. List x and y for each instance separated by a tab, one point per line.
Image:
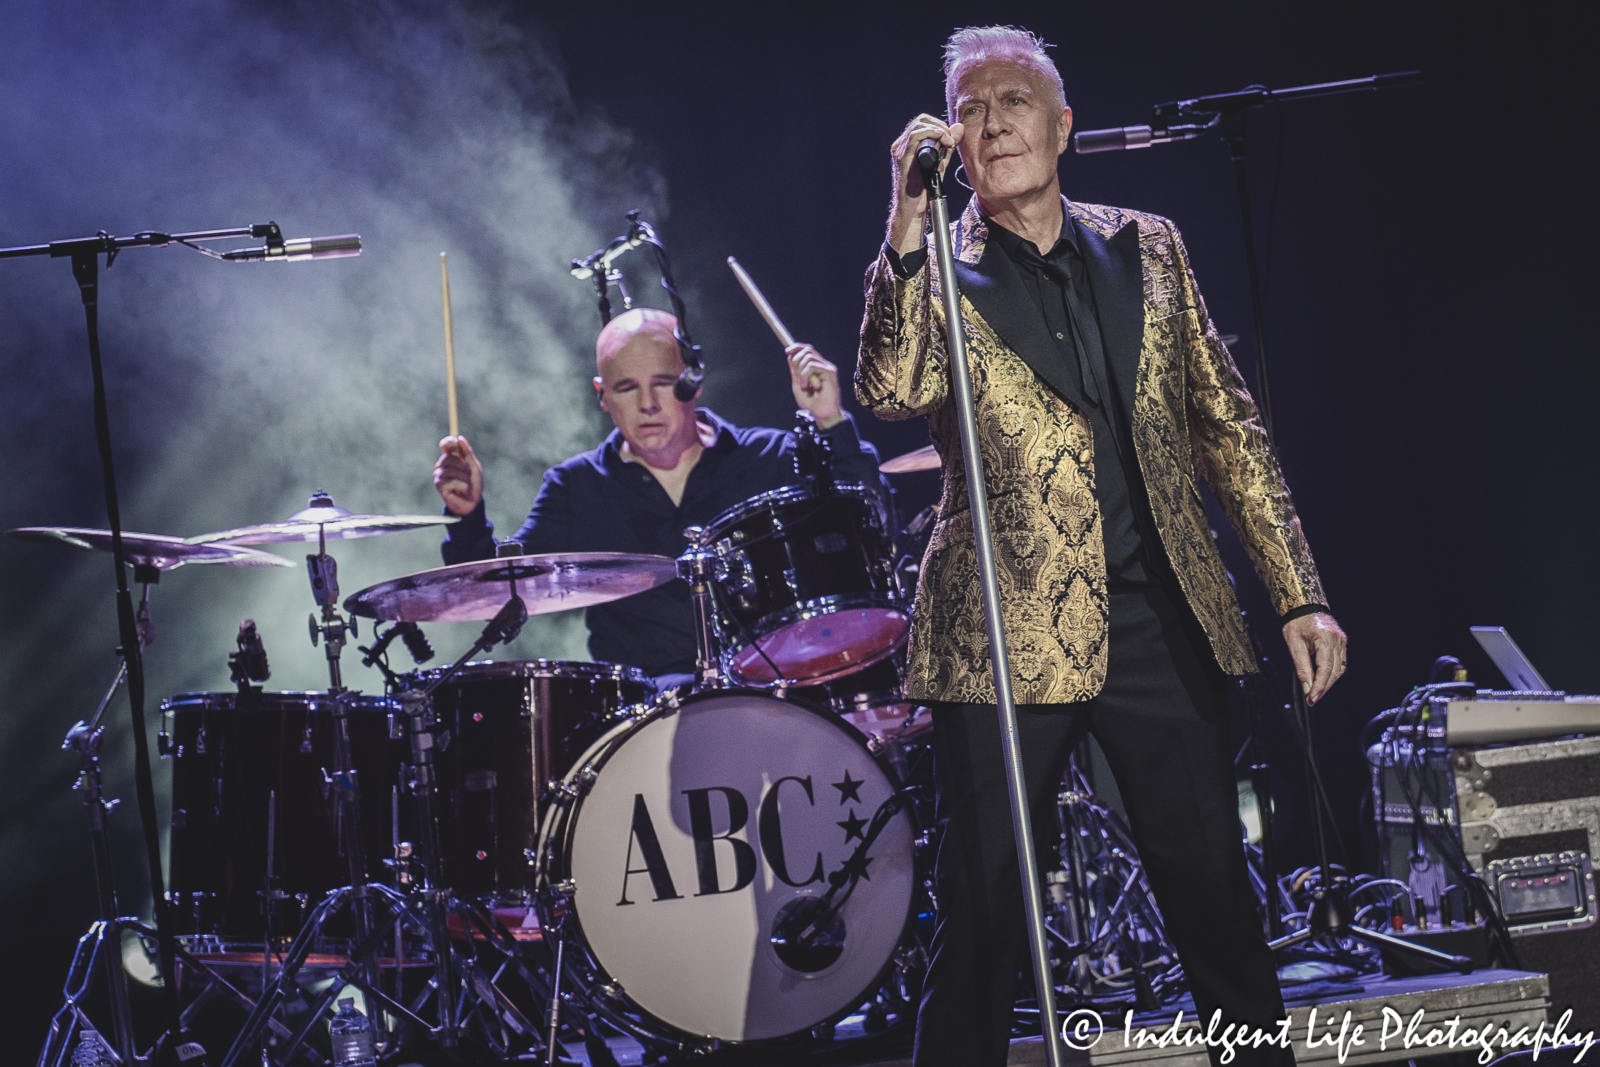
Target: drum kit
565	854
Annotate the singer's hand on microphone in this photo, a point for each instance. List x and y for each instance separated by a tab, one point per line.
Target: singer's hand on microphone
458	476
909	207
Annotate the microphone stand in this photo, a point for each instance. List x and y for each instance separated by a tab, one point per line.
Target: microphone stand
1183	120
989	584
85	254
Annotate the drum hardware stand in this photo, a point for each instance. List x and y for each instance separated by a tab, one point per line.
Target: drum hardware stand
989	585
1328	918
106	937
1081	818
697	566
324	573
84	739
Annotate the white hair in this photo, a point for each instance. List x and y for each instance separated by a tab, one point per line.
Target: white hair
975	45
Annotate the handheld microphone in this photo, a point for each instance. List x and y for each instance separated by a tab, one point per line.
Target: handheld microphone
929	152
298	248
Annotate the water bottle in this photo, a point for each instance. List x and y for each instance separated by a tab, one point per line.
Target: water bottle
91	1051
351	1036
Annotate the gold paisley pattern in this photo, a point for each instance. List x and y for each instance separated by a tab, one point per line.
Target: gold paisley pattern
1191	412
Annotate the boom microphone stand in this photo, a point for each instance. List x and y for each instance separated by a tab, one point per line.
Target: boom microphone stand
85	255
1184	120
989	584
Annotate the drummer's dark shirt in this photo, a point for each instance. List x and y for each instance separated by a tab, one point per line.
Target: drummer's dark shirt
597	502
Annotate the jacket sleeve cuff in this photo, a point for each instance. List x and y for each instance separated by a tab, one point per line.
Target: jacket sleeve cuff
1305	609
907	266
843	435
471	525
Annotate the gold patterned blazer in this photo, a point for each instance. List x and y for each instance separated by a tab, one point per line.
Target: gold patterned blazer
1190	411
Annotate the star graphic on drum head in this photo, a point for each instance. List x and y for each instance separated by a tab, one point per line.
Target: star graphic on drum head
849	789
852	827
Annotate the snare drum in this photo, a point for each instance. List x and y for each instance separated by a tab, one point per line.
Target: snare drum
692	841
805	585
513	727
239	767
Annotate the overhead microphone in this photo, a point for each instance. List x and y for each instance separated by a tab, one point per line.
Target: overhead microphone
298	248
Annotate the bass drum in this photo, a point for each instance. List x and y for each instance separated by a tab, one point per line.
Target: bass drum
695	850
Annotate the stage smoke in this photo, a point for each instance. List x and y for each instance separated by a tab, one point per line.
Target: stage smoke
237	390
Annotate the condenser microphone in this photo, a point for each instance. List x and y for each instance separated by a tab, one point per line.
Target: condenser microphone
298	248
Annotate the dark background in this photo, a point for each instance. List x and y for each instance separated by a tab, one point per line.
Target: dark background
1428	312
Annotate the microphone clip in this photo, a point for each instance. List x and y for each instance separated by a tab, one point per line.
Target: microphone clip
272	234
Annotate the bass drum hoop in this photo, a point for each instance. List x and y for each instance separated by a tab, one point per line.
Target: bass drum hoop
599	990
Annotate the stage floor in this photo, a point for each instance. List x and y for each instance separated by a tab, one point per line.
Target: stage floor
1503	998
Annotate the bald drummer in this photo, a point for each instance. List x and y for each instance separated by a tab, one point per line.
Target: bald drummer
668	465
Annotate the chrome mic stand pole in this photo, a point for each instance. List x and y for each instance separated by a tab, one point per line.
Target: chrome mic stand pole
988	583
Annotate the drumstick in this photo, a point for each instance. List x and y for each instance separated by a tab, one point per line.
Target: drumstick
784	336
449	347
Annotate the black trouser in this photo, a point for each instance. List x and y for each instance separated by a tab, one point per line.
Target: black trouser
1162	722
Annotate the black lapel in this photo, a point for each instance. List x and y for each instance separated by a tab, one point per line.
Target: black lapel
1116	277
998	294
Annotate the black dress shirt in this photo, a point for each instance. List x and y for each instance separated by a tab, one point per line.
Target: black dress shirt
598	502
1059	287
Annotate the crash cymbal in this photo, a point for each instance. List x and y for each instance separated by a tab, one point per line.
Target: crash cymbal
475	592
923	459
154	550
321	519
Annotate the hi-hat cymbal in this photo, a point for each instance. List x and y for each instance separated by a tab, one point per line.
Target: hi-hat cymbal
475	592
155	550
923	459
322	519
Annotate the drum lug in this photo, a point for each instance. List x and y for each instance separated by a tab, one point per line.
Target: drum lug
565	888
564	793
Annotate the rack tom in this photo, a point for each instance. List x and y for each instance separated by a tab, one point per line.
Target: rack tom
805	586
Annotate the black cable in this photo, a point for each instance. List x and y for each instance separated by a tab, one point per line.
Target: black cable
85	269
1272	209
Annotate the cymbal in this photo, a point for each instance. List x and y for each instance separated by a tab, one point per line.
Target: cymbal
923	459
322	519
475	592
155	550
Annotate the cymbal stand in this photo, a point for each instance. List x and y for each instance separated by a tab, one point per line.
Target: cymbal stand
421	782
106	934
423	910
343	783
332	627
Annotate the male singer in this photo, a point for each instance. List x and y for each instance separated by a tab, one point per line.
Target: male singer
1101	388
